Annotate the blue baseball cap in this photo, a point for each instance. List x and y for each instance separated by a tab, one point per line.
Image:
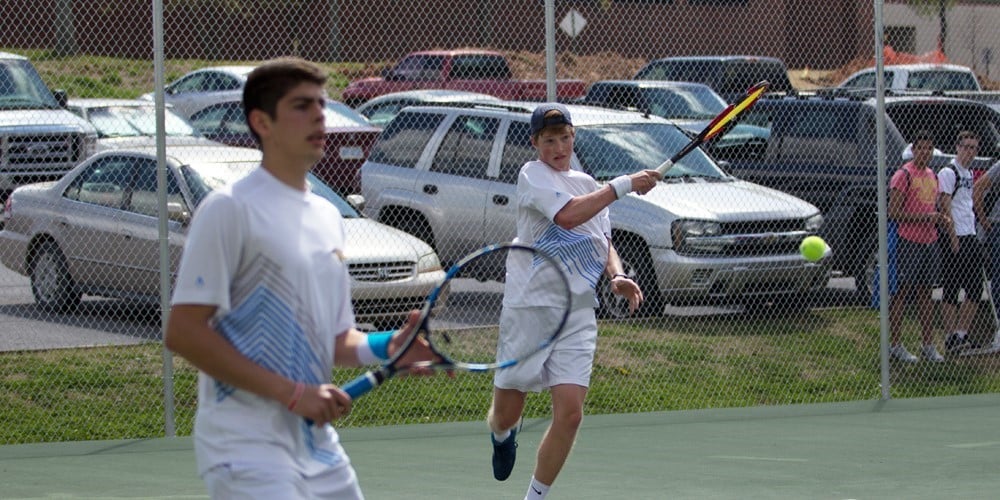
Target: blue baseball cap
540	121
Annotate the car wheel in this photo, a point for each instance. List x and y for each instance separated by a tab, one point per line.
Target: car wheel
51	283
864	277
638	265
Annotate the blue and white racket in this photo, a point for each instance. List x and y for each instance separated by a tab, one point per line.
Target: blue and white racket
462	328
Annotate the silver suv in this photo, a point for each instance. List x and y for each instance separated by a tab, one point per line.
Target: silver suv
39	138
447	175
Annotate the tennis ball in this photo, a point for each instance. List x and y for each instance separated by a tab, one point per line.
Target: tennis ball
813	248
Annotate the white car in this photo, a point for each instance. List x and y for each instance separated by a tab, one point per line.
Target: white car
448	175
382	109
197	89
916	77
95	232
124	123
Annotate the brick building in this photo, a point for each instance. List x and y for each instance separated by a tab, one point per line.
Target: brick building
803	33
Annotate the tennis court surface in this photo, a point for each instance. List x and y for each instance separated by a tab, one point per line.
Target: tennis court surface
915	449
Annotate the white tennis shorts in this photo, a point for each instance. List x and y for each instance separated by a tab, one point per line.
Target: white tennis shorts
267	482
567	361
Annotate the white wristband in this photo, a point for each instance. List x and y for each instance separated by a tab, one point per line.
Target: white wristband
366	356
622	186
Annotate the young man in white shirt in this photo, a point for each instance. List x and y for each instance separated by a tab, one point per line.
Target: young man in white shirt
565	212
262	308
961	255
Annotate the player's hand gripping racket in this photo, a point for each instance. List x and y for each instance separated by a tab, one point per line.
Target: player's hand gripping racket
718	124
462	327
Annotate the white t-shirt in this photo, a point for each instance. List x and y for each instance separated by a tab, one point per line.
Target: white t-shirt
541	193
962	214
267	255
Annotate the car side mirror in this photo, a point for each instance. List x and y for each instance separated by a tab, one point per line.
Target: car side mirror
357	201
178	213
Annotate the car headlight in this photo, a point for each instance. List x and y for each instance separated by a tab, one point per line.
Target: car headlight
428	263
89	146
684	229
814	223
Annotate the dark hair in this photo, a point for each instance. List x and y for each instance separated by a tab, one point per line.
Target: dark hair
923	135
966	134
269	82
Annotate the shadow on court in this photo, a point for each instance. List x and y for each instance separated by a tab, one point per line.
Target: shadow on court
916	449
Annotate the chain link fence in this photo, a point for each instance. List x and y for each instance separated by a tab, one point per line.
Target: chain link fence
734	315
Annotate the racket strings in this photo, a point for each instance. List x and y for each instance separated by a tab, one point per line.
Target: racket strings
467	329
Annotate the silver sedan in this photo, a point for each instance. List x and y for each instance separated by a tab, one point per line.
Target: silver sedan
95	232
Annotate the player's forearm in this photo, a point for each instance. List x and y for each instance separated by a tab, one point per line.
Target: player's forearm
582	208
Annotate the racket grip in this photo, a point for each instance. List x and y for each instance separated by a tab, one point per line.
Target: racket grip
667	165
364	383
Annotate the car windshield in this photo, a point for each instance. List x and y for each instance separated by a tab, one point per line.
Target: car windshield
700	103
338	114
137	121
22	88
202	178
607	151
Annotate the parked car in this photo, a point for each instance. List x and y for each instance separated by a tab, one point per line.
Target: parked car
95	231
39	139
691	105
382	109
916	76
730	76
823	149
448	175
472	70
349	138
123	123
201	87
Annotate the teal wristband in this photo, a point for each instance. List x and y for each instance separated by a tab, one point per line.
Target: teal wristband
379	343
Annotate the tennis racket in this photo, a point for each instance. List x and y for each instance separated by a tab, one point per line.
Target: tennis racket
721	122
462	327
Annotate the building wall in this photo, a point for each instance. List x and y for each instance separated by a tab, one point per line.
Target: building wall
818	34
973	37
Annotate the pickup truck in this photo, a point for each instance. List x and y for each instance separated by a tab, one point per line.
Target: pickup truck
39	138
481	71
917	77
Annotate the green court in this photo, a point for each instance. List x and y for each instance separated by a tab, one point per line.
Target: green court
919	448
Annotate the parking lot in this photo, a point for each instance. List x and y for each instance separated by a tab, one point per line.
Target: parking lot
101	322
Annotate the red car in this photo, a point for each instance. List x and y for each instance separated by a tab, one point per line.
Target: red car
349	139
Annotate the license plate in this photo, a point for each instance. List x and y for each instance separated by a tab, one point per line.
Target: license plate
351	153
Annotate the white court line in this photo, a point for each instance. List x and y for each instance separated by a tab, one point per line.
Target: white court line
762	459
984	444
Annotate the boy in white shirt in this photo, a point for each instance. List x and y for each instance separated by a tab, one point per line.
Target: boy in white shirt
961	255
563	211
262	308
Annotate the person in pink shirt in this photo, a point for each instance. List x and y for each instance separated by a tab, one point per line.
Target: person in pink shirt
913	194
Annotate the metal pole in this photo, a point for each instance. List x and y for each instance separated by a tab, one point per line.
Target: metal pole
164	235
883	220
550	50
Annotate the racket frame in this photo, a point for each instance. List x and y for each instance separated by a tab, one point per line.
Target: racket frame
374	378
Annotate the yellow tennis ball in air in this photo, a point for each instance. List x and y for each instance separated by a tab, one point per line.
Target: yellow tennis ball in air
813	248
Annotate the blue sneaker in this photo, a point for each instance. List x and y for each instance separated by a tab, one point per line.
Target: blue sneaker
504	455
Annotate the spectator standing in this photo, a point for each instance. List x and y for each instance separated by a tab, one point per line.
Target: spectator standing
913	193
988	215
961	254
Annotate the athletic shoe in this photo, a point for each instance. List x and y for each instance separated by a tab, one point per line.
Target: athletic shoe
931	354
990	348
955	343
504	455
899	353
